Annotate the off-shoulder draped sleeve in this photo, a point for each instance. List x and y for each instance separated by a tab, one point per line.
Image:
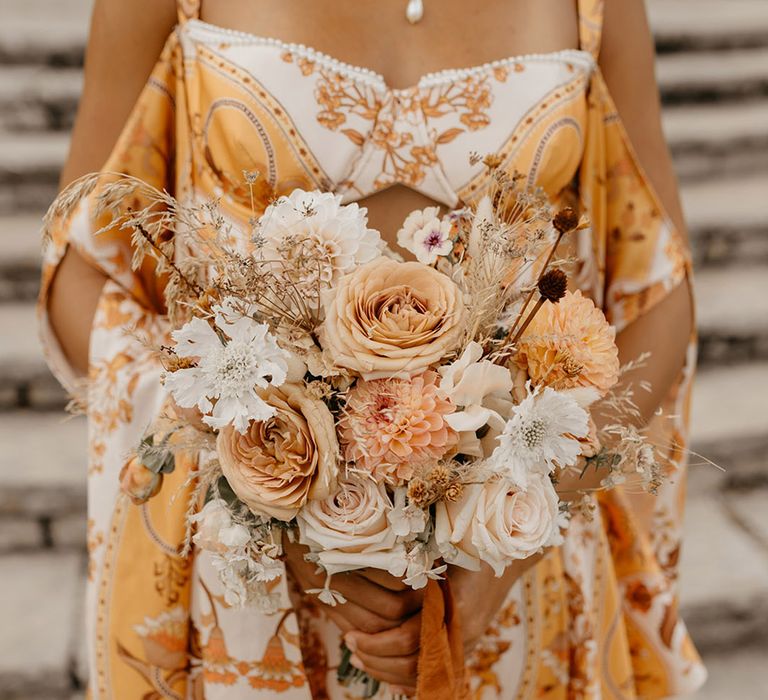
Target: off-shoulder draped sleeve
135	571
634	257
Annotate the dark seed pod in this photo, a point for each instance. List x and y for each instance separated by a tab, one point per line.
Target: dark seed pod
565	220
553	285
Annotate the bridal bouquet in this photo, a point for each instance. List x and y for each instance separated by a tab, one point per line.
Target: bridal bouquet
389	414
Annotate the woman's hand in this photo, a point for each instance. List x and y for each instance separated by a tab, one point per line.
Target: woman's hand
376	601
479	595
392	655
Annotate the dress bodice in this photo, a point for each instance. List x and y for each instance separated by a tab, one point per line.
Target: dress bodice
304	119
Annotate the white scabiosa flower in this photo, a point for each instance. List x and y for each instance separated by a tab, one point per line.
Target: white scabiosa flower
542	433
426	235
228	369
319	235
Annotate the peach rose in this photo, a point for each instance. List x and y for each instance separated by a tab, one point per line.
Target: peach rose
281	463
498	523
390	317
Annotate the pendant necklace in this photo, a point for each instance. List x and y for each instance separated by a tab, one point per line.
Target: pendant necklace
414	11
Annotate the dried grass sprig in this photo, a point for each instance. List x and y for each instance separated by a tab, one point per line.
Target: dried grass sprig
510	228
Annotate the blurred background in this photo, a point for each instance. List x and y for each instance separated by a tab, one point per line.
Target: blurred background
713	75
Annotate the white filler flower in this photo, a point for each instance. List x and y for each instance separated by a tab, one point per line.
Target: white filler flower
542	434
227	372
426	235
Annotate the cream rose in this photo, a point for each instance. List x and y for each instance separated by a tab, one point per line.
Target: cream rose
498	523
390	317
351	529
281	463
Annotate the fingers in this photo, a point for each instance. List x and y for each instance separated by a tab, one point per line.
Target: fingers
384	579
387	603
382	600
390	656
395	670
358	618
397	641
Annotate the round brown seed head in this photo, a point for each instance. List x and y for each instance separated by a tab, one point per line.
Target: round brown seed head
553	285
565	220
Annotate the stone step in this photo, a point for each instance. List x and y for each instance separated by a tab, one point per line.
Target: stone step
732	309
25	380
677	24
713	75
60	40
40	605
723	603
729	405
42	465
20	262
736	673
729	429
38	98
728	220
723	577
29	169
711	141
708	24
42	482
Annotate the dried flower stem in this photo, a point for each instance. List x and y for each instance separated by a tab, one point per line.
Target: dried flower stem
168	261
533	291
514	335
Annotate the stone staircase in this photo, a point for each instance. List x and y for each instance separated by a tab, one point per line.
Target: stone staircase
713	73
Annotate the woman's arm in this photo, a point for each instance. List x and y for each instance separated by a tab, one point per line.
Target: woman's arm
125	41
627	62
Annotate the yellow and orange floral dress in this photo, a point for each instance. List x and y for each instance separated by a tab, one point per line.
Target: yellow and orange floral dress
597	618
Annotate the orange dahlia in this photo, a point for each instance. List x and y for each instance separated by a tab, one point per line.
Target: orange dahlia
570	344
392	426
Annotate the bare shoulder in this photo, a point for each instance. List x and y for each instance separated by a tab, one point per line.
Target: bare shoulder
125	41
627	60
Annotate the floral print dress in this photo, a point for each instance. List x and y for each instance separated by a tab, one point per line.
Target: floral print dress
598	617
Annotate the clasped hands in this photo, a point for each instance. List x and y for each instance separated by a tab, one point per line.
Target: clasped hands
381	620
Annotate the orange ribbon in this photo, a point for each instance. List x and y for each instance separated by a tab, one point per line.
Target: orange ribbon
441	674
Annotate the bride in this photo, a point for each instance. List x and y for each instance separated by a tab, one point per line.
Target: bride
381	102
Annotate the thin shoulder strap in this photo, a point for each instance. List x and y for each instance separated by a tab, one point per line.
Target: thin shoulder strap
188	9
590	25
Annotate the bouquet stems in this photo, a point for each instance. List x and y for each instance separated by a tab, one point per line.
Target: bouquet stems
347	674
